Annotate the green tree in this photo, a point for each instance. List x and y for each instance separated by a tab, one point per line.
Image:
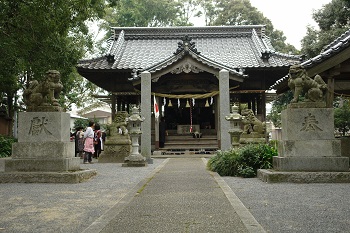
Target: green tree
342	117
241	12
333	20
142	13
39	35
278	105
80	122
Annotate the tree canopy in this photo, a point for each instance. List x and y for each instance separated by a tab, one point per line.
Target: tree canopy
333	20
39	35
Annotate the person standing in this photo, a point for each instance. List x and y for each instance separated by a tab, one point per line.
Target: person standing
97	141
89	142
79	142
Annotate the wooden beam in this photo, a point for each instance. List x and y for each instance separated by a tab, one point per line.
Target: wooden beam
330	92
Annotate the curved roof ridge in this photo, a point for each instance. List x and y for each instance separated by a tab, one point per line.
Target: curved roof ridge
116	46
83	61
343	37
334	47
195	55
286	55
267	42
257	42
211	62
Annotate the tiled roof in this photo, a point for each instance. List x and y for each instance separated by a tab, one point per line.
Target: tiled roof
338	45
231	46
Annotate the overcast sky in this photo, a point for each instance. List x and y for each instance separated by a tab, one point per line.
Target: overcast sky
290	16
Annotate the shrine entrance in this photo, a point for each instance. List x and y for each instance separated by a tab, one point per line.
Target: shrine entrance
199	115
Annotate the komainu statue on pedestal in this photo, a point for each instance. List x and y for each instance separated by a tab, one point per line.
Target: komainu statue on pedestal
251	124
43	96
314	90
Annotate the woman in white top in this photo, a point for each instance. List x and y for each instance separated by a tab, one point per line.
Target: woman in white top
89	142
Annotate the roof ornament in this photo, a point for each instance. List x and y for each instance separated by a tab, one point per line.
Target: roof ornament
110	58
265	55
134	75
186	45
303	57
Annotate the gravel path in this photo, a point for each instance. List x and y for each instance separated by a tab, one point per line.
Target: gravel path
287	207
66	207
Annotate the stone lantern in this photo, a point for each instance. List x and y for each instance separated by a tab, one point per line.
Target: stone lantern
135	159
235	126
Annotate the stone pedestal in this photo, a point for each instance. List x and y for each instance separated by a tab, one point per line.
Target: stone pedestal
135	159
116	148
43	152
308	147
252	138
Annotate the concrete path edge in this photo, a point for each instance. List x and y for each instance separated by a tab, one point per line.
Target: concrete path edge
247	218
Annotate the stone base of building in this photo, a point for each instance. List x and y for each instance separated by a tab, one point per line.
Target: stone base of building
311	164
273	176
135	161
115	153
42	165
135	164
47	177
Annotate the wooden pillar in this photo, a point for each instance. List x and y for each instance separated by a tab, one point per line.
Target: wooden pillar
123	105
263	106
119	104
128	106
330	92
254	104
114	102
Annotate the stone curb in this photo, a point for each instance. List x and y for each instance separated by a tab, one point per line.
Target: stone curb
247	218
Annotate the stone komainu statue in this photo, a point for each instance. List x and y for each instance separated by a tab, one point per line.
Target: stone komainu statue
300	83
252	125
43	96
120	122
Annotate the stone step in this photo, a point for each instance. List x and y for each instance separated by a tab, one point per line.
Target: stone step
189	137
192	142
187	147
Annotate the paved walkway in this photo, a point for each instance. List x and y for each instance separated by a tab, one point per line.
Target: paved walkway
180	196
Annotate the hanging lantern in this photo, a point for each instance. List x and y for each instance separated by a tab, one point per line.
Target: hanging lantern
187	104
178	103
170	104
206	103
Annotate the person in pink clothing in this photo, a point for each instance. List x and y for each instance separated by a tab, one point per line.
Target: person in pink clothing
89	142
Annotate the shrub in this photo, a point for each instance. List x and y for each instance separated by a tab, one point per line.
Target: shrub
6	145
244	161
224	163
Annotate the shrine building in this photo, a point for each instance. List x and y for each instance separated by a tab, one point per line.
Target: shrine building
195	75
